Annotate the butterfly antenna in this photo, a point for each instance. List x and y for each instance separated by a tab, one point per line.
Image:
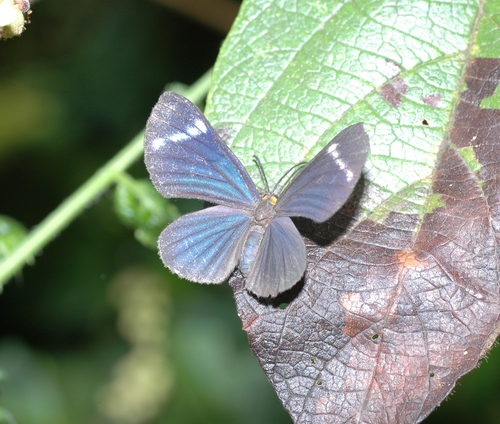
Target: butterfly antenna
286	174
262	173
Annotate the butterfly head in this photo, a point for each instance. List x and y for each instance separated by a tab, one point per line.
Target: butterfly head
265	210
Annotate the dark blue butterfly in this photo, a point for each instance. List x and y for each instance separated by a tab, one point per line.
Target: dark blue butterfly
186	158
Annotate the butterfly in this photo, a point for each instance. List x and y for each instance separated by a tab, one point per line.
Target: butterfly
187	159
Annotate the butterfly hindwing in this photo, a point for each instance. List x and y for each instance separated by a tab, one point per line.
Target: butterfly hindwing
323	185
187	159
204	246
280	261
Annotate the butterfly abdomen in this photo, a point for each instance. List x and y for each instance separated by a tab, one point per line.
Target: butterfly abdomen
263	214
251	248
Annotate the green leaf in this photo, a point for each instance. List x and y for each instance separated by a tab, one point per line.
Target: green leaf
139	206
11	234
408	281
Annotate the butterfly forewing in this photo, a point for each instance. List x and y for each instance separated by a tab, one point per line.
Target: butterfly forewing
204	246
187	159
322	186
280	261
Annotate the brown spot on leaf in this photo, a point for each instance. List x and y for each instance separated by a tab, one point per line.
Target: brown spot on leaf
433	100
400	85
226	134
354	323
392	93
247	323
409	259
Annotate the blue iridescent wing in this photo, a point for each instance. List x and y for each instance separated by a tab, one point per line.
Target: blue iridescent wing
204	246
187	159
323	185
280	261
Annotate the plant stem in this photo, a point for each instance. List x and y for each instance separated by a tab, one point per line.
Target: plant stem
70	208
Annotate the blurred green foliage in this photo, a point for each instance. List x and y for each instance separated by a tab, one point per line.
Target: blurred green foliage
141	207
97	330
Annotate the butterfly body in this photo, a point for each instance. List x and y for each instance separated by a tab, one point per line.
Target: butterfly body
251	247
262	216
187	159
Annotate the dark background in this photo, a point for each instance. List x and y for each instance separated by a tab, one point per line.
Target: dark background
79	330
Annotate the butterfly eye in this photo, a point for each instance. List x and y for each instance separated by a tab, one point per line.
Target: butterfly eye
273	199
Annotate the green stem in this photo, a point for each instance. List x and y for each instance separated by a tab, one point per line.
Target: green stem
70	208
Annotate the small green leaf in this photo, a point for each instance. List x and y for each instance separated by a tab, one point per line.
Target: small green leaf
139	206
11	234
